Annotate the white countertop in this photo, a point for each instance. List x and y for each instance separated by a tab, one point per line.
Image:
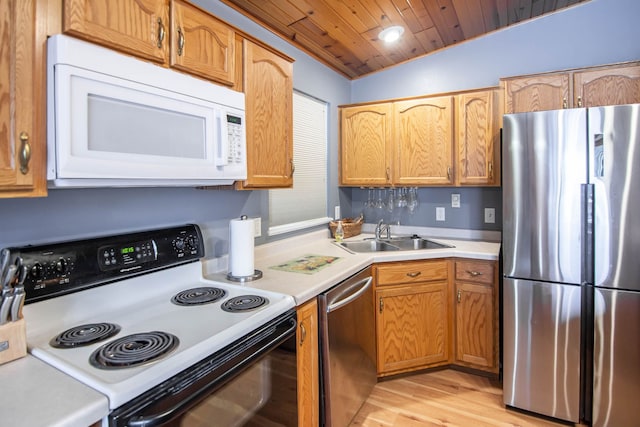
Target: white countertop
43	396
306	286
35	394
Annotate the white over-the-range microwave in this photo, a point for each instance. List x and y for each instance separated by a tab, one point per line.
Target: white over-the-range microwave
115	121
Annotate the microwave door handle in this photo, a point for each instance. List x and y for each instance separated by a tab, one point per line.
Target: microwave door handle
222	141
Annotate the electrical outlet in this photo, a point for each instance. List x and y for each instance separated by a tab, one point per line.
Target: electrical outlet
439	214
257	227
490	215
336	212
455	200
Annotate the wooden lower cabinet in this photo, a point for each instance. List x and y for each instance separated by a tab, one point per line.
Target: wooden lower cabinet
413	315
412	326
476	308
307	361
436	312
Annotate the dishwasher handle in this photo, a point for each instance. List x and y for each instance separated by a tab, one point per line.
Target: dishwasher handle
365	284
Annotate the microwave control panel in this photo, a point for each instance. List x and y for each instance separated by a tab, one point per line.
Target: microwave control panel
235	138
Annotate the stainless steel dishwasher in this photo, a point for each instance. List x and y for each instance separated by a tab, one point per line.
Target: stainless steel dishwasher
347	341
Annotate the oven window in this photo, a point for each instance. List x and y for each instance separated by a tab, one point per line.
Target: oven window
264	394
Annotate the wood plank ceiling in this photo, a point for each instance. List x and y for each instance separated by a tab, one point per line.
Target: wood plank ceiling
343	34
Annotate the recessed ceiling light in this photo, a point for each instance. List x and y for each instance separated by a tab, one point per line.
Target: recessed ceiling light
391	34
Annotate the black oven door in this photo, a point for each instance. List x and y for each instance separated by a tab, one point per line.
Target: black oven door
251	382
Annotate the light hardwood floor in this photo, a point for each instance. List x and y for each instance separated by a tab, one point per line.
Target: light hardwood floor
441	398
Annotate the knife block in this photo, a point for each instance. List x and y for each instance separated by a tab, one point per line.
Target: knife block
13	341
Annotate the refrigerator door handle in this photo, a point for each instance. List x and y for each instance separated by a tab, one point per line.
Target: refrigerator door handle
588	226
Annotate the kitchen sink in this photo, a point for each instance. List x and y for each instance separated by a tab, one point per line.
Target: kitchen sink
416	243
369	246
408	243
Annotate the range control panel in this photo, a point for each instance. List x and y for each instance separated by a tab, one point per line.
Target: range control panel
60	268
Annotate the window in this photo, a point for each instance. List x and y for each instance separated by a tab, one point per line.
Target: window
304	205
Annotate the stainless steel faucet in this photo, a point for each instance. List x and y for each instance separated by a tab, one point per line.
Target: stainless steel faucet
383	227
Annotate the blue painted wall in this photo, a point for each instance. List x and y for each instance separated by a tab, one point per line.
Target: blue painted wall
600	31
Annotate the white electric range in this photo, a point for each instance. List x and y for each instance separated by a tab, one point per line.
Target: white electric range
127	314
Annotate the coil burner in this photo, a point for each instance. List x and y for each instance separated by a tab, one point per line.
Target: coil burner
198	296
244	303
133	350
83	335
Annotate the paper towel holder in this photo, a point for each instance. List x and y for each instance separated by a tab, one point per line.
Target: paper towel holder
257	274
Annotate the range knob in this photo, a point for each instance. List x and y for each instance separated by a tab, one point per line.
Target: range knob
62	266
36	271
179	244
191	243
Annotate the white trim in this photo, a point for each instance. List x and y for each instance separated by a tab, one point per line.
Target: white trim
295	226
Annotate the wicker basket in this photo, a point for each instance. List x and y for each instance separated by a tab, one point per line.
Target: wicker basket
350	226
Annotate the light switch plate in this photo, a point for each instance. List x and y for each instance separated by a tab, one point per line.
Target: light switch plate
439	214
455	200
490	215
257	224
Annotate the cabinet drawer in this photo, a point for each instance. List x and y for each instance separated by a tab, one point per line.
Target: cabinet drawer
411	272
475	271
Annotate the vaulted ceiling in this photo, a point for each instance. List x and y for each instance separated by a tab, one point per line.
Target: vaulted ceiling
343	34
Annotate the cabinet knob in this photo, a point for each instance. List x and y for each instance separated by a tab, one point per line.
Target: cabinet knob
579	102
180	41
449	173
414	274
160	33
474	273
25	152
381	304
459	296
564	103
490	170
293	167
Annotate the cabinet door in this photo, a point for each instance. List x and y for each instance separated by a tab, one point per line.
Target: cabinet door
22	136
478	138
412	327
423	141
201	44
474	325
307	360
537	93
268	89
365	145
608	86
138	27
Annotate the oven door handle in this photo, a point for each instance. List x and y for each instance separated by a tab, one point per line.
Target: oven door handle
227	370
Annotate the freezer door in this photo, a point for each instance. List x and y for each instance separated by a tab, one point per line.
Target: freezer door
614	142
542	347
544	164
616	382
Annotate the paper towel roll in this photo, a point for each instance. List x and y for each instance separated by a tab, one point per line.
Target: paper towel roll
241	243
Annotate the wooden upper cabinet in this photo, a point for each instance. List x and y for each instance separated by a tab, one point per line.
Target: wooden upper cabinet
586	87
607	86
423	141
201	44
365	145
137	27
478	138
537	93
22	102
268	88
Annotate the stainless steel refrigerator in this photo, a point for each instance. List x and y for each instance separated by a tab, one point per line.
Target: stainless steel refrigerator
571	264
